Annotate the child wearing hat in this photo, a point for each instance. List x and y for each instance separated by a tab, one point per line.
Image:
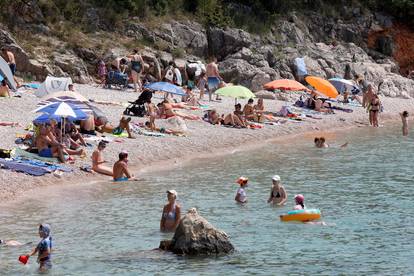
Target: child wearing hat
44	248
241	196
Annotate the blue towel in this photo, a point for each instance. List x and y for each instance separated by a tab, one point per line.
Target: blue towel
41	164
24	168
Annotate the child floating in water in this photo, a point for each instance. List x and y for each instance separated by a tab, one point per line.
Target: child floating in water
320	142
44	248
11	243
300	202
241	196
404	117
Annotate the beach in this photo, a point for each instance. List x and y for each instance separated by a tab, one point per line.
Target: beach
202	140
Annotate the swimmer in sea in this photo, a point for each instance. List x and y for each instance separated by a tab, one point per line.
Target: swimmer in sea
12	243
241	196
278	195
300	202
320	142
404	118
171	214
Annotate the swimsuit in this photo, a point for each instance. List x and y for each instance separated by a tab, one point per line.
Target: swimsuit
12	68
277	195
121	179
43	246
169	116
46	152
171	215
136	66
117	131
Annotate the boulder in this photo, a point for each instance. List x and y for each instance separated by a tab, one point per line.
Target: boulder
259	80
195	236
264	94
25	64
223	42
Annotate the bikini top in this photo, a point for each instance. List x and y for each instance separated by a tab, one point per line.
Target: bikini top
171	214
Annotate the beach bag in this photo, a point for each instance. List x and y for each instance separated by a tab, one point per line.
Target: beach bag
169	75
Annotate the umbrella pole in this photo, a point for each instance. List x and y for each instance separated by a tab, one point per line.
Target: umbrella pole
61	129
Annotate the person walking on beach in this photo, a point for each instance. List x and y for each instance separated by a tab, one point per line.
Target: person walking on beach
241	196
137	66
278	195
120	169
11	61
98	160
213	77
44	248
171	213
404	118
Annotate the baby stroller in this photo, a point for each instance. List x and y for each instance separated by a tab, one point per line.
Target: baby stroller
116	79
137	108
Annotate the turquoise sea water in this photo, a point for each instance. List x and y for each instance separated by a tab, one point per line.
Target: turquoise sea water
364	192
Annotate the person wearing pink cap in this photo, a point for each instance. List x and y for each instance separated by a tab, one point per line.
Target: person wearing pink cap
300	202
241	196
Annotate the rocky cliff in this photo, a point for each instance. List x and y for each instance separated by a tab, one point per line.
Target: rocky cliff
369	44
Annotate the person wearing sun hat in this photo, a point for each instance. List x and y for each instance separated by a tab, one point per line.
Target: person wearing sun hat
278	195
171	214
241	196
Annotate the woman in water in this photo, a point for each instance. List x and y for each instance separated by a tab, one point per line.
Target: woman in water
278	195
241	196
171	213
300	202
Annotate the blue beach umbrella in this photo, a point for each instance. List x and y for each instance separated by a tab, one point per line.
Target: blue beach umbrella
343	85
46	118
63	110
166	87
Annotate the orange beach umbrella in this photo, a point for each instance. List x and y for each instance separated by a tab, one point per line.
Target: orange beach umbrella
285	84
322	86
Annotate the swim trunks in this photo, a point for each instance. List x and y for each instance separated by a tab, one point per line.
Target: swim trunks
121	179
117	131
12	68
136	66
213	83
46	153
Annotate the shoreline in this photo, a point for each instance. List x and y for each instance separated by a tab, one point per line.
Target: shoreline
204	141
169	164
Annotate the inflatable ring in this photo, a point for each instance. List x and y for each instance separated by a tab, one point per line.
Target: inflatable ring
301	215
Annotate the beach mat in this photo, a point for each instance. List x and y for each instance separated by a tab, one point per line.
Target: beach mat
23	168
18	152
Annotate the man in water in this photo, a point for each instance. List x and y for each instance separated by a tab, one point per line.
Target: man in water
404	118
98	160
213	77
120	169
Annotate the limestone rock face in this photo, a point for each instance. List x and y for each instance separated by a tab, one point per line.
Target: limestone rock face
196	236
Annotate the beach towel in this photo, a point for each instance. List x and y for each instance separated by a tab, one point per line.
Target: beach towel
38	163
347	110
17	152
24	168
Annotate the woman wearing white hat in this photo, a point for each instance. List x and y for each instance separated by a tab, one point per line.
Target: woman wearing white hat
171	213
278	195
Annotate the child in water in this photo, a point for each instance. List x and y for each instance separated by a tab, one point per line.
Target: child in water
241	196
404	118
300	202
44	248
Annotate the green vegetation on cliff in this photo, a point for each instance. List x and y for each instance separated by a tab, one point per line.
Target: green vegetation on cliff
255	15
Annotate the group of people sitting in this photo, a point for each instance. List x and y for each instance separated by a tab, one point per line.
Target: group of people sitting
241	118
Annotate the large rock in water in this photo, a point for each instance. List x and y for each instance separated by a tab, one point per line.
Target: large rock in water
196	236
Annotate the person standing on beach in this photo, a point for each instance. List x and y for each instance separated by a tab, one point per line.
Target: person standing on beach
11	61
137	66
278	195
241	196
98	160
404	118
120	169
171	213
213	77
374	108
43	249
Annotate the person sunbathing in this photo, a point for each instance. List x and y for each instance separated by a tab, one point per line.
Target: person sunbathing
98	160
239	114
55	134
161	129
102	125
214	118
190	98
248	111
74	134
233	120
167	112
47	147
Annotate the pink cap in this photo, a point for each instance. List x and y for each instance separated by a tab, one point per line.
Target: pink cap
299	198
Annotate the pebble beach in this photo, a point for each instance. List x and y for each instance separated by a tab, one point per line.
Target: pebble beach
202	140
